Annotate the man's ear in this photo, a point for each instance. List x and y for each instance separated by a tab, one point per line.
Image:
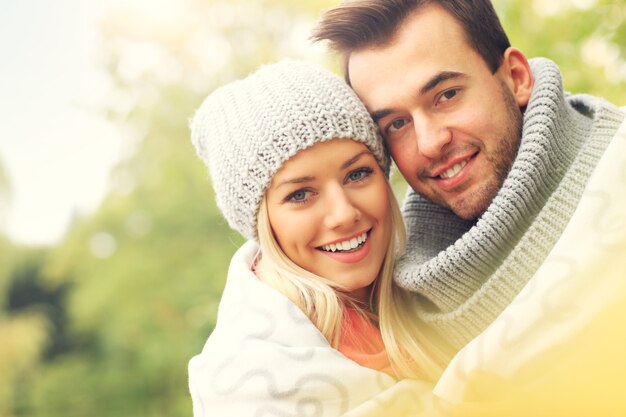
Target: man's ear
516	72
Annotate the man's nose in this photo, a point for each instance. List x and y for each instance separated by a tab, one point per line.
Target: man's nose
431	135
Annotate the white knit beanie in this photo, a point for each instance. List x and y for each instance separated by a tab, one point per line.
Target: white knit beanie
246	130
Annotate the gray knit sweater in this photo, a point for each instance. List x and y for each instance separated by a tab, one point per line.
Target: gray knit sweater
465	273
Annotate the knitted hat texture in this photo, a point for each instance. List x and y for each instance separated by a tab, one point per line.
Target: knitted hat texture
246	130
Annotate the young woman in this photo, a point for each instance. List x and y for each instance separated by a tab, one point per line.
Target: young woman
310	322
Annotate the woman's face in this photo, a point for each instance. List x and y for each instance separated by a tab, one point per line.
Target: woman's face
328	207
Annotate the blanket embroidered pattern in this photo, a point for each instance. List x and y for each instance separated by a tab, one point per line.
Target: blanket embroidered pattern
265	358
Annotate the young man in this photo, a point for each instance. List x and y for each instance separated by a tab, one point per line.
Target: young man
496	155
501	162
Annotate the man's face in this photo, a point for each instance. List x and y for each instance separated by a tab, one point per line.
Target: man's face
452	127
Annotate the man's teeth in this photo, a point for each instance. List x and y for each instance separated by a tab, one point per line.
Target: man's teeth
454	170
346	244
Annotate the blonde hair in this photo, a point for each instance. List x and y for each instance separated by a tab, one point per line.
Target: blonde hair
414	351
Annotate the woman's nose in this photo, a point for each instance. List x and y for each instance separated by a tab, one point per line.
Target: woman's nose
341	211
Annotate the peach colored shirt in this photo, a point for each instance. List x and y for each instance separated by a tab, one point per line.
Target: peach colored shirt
362	342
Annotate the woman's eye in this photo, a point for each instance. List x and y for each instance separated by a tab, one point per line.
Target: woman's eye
359	174
298	197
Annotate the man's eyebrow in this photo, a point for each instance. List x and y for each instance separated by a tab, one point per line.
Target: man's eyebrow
430	84
438	79
379	114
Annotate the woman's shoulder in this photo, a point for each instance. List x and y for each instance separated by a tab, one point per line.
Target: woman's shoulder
265	351
251	311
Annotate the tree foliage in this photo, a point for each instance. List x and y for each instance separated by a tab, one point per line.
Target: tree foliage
104	323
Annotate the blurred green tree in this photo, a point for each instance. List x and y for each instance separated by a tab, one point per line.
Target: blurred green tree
24	326
586	38
136	284
146	271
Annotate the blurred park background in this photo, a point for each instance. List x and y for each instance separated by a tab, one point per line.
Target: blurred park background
103	302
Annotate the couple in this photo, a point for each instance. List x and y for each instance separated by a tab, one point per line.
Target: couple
514	222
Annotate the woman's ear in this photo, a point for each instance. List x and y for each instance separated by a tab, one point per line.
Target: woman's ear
516	72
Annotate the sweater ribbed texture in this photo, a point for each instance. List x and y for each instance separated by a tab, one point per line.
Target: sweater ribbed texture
465	273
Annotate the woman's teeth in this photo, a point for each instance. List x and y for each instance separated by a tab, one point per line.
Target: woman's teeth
454	170
346	245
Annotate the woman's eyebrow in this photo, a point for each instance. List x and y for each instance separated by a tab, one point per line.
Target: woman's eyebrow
297	180
354	159
309	178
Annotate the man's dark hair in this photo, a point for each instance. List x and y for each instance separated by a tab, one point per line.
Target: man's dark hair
358	24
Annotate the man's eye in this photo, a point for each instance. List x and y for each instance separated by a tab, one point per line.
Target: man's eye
448	95
396	124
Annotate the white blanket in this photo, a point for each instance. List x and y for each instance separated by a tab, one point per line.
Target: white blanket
265	358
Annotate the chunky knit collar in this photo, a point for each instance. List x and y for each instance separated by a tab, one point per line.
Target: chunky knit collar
464	273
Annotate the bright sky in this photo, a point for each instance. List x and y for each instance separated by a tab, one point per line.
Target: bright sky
54	144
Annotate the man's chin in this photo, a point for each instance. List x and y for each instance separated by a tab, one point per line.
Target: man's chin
467	213
472	204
